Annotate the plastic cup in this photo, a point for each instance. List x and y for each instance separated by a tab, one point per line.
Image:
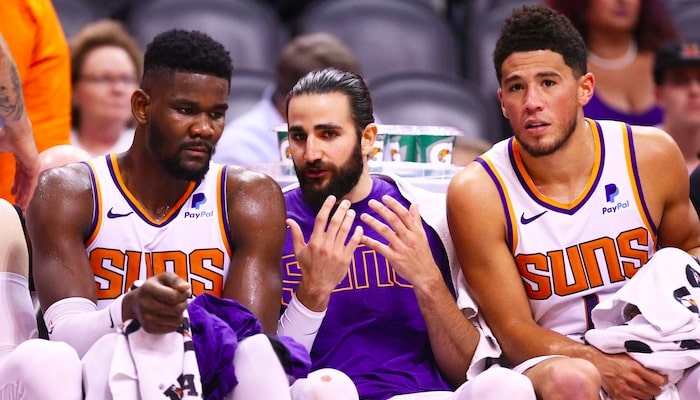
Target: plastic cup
435	148
402	147
283	143
377	153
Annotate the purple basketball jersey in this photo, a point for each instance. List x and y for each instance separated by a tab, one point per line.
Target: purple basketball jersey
373	329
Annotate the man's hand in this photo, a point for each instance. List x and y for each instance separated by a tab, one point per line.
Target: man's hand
17	138
159	303
324	260
626	379
408	249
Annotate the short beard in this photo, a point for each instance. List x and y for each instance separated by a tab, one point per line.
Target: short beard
541	151
173	164
342	181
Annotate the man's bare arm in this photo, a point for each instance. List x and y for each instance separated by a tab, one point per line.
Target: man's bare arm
257	213
16	134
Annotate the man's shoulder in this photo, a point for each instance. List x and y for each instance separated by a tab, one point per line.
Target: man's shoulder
69	177
244	180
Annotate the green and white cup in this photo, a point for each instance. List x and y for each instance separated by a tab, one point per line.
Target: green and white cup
435	148
283	143
402	147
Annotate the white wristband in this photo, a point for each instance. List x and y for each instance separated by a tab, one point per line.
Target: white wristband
300	323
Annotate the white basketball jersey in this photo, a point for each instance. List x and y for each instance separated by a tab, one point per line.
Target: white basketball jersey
572	256
126	243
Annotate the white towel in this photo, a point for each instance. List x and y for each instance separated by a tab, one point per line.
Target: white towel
654	317
153	367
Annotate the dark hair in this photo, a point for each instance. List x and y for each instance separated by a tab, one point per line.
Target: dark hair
178	50
102	33
653	28
539	27
310	52
331	80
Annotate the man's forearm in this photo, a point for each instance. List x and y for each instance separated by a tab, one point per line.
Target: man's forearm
12	108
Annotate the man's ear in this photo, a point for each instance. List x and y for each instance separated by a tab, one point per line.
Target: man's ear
586	88
367	138
140	106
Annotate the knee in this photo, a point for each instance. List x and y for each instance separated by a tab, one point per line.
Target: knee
44	355
569	378
325	383
497	382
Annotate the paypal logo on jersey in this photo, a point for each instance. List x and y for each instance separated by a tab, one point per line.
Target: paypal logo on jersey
198	199
611	191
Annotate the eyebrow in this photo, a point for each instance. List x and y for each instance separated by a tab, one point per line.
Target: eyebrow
183	101
318	127
548	74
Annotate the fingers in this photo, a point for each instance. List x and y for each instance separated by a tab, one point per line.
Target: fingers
172	281
297	235
162	300
336	230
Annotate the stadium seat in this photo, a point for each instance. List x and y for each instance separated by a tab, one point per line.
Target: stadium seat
686	17
247	87
418	98
74	14
388	36
249	29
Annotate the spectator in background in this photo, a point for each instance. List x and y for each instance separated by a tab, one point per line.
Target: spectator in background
251	138
677	78
38	46
622	37
105	69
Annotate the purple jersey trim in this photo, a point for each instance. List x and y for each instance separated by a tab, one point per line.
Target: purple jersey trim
502	196
637	180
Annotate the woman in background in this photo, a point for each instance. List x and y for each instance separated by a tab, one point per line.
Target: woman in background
105	70
622	37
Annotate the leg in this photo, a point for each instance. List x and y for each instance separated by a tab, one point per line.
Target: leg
496	383
259	372
565	378
17	316
689	385
39	369
96	364
325	383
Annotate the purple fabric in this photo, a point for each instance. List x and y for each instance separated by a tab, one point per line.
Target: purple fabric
218	325
373	329
596	109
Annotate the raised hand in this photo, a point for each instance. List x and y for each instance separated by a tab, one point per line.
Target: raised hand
325	259
407	249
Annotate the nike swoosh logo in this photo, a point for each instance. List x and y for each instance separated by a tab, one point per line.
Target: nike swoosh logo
111	214
526	221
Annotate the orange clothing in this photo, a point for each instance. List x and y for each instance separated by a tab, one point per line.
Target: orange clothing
34	35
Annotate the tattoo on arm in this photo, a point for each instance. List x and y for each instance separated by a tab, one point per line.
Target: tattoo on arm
11	99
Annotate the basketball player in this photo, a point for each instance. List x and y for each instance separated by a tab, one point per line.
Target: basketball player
557	218
21	354
161	213
366	273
